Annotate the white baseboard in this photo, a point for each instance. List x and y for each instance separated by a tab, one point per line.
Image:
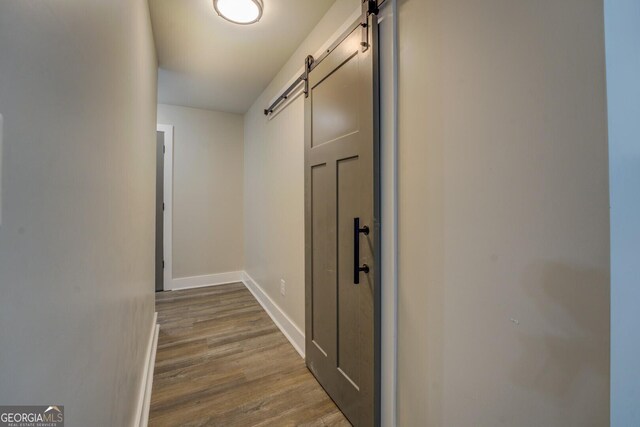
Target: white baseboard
144	395
282	321
206	280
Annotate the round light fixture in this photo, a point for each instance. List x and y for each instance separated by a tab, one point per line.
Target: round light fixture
239	11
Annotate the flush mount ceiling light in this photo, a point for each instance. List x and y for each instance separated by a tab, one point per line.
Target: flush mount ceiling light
239	11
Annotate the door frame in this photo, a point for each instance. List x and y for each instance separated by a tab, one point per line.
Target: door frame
167	226
388	82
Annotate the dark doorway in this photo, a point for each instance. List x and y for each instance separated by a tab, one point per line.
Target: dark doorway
160	212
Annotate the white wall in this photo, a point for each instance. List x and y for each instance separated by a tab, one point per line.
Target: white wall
78	96
622	24
503	214
274	179
207	190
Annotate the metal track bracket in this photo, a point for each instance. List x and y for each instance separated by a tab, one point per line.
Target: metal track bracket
369	7
308	61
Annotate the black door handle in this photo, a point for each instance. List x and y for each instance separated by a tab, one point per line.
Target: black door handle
356	250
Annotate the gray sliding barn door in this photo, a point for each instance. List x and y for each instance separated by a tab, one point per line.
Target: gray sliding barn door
342	227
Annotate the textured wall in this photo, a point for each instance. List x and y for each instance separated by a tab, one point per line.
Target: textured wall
503	214
78	96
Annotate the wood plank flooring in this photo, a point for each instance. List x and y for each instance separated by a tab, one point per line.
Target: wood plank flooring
221	361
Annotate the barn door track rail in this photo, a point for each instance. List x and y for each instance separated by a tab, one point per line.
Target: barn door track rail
369	7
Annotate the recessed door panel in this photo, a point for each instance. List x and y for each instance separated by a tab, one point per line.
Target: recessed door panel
335	104
323	241
349	294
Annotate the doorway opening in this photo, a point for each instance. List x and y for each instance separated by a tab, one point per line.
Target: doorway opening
164	204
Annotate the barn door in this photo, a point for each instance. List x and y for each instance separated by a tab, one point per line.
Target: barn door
342	225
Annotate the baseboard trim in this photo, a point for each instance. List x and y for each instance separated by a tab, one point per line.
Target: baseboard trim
206	280
144	395
282	321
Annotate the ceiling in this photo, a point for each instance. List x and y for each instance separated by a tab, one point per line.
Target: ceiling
207	62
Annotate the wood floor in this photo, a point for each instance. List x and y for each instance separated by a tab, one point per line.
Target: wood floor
221	361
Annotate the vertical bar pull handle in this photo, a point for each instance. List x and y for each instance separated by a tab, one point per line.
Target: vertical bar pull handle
356	250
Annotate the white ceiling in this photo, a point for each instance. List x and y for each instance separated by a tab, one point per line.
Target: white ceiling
207	62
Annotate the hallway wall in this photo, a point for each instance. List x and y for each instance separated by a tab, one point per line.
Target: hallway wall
208	166
78	96
503	214
274	179
623	88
